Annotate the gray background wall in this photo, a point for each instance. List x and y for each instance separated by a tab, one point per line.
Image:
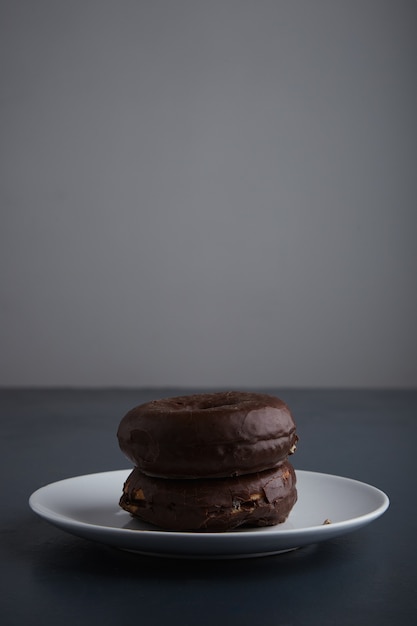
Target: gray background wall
208	193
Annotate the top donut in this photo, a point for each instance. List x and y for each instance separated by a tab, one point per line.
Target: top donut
208	435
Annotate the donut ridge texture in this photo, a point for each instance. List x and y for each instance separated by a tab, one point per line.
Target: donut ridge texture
208	435
214	504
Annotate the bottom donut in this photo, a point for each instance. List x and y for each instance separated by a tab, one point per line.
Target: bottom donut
212	505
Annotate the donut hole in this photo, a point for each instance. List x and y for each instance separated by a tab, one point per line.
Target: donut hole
206	402
204	406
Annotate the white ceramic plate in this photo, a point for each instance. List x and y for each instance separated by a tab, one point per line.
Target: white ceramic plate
87	506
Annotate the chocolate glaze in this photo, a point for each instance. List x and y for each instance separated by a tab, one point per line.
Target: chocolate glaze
214	504
208	435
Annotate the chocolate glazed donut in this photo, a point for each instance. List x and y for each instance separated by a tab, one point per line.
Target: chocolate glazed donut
208	435
213	504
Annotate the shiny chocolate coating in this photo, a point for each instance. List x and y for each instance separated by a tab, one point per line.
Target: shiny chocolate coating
208	435
212	504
